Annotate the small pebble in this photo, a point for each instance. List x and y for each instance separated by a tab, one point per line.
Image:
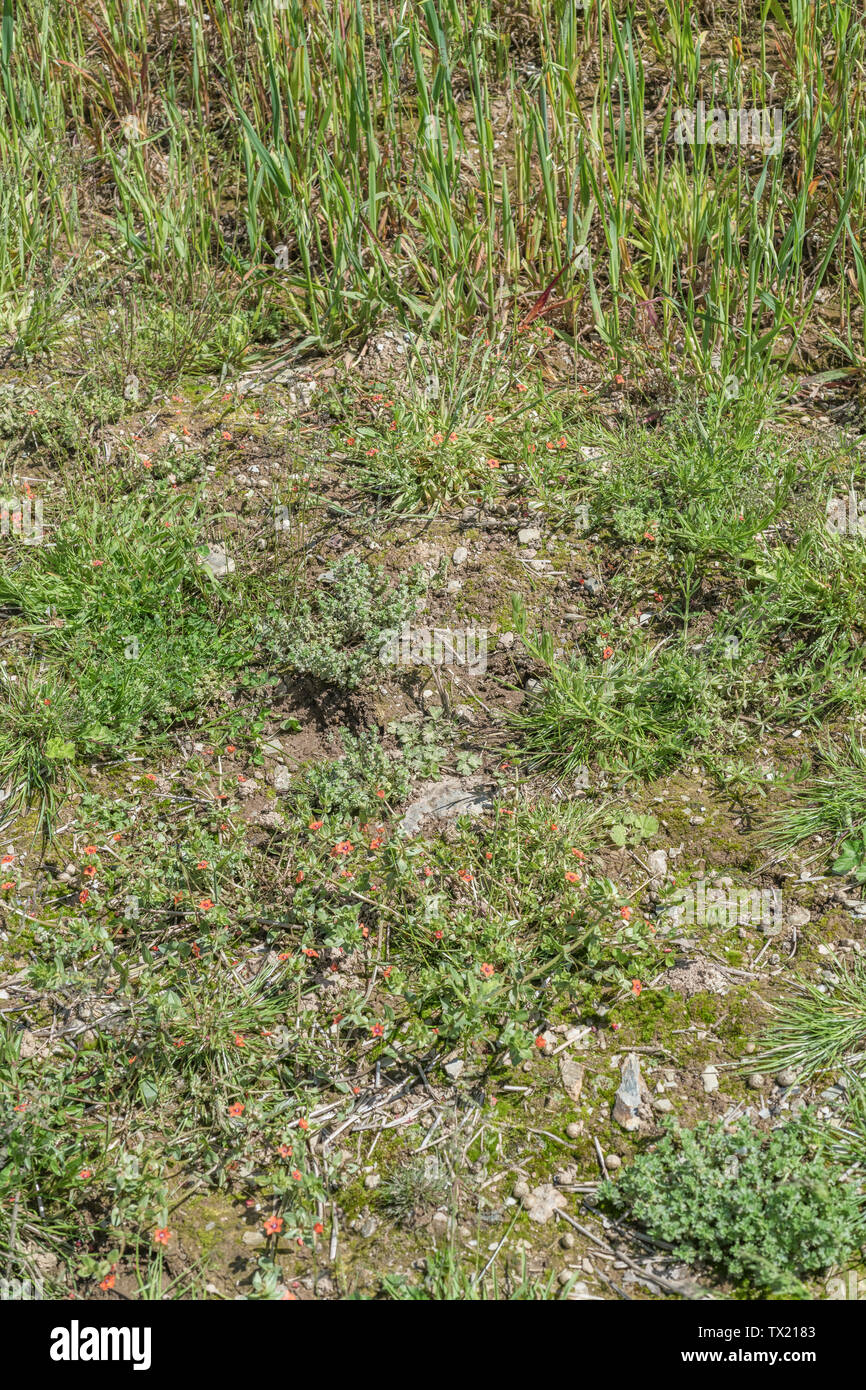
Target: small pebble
567	1241
755	1081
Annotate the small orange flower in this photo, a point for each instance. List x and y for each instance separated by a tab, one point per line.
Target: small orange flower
636	987
206	904
239	1040
377	1030
85	1173
273	1225
572	877
90	849
487	970
162	1236
318	1228
285	1151
540	1042
236	1110
107	1282
625	913
315	825
607	654
303	1124
344	847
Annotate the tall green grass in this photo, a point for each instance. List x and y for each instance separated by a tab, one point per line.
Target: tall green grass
413	160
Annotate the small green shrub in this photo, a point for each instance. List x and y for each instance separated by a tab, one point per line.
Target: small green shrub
765	1212
337	638
363	778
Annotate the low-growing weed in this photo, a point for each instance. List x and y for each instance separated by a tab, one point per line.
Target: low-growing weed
337	639
765	1212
